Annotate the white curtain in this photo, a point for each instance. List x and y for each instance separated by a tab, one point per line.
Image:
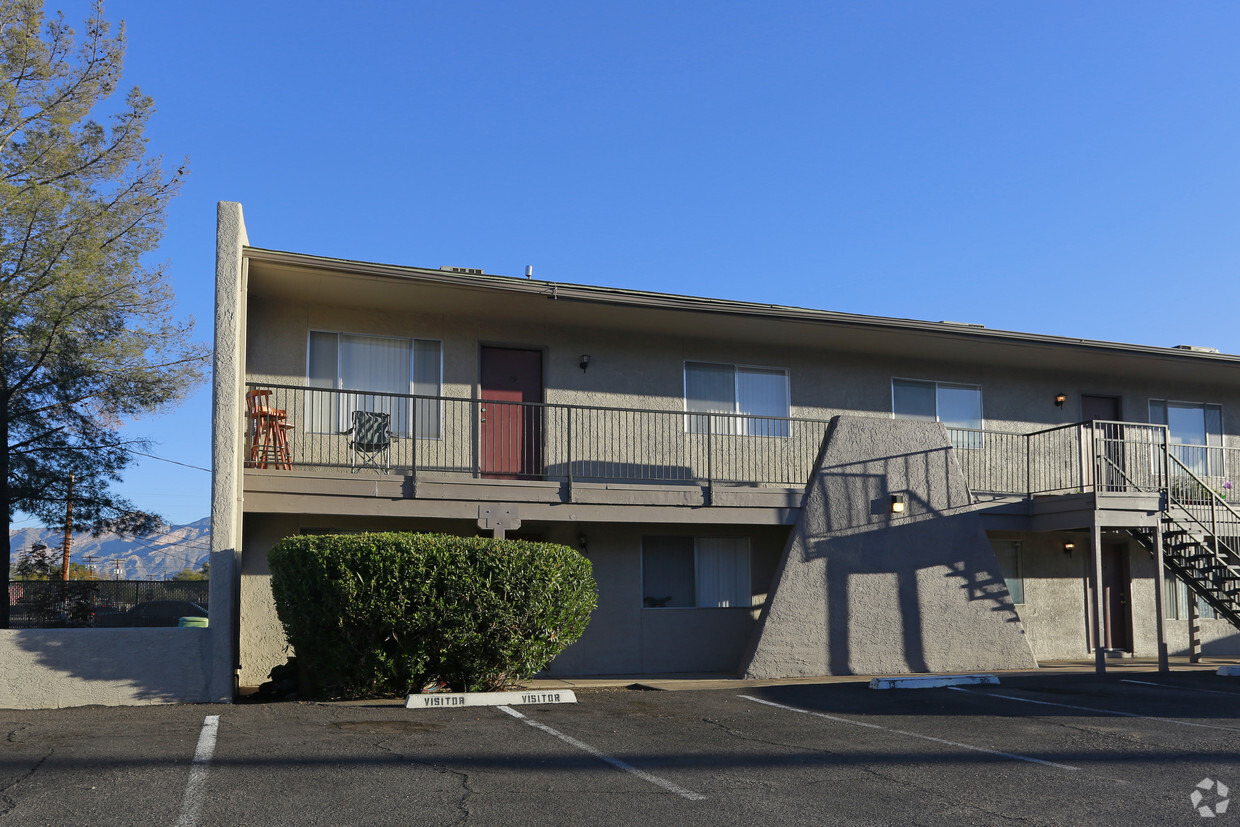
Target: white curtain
723	572
427	369
763	392
710	389
322	372
375	366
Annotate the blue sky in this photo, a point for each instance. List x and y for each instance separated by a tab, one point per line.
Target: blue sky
1054	167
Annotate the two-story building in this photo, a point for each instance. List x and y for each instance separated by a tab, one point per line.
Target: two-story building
761	490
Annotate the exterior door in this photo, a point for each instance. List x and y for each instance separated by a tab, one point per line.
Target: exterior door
1108	440
510	413
1116	601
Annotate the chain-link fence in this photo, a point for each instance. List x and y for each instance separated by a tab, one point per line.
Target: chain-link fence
46	604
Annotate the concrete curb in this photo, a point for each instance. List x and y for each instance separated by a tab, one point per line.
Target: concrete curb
456	700
1232	671
932	681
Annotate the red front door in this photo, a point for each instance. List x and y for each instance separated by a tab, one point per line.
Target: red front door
510	414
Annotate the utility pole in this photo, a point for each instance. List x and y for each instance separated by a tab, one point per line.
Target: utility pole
89	560
64	565
116	568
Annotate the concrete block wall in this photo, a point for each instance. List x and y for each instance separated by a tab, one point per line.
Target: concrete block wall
53	668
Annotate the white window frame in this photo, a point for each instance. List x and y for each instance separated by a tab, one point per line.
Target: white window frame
737	422
398	428
744	594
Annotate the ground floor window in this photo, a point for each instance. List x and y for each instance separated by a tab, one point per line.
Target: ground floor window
1008	554
680	572
1177	595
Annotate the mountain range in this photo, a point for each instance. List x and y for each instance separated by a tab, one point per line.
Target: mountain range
157	556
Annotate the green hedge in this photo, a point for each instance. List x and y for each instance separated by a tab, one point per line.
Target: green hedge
382	614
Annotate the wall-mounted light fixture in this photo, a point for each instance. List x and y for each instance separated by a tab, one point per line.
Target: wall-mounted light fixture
1060	398
1067	548
583	543
898	503
583	361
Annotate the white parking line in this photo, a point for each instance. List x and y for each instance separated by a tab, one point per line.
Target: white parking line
912	734
195	790
1184	688
1093	709
615	762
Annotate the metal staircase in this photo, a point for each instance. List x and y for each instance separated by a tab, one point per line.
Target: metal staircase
1201	534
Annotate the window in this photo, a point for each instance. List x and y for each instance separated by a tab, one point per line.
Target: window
689	572
1177	595
1195	431
1008	554
760	393
956	406
382	371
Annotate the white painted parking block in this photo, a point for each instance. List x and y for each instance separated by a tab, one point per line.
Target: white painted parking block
931	681
1232	671
456	700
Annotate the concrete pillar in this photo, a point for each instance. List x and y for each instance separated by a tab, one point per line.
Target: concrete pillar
1160	598
227	435
1100	643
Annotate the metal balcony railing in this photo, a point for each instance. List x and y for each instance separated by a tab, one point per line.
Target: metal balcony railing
454	437
321	428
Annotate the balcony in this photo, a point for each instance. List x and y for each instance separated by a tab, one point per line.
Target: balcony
568	450
423	439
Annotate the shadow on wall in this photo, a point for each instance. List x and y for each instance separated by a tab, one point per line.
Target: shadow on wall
42	668
1226	645
865	590
895	578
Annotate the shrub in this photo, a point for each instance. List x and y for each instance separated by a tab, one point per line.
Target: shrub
382	614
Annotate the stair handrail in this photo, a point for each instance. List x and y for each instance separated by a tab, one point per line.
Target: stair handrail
1216	501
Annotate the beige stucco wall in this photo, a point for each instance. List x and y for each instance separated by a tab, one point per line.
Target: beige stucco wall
622	638
646	370
227	441
52	668
860	590
1054	609
1218	638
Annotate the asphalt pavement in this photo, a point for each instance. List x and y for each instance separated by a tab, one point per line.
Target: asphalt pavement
1136	747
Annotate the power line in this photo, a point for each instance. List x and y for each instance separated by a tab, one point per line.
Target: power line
165	459
167	548
131	451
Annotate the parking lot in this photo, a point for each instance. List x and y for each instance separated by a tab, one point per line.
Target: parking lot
1038	749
